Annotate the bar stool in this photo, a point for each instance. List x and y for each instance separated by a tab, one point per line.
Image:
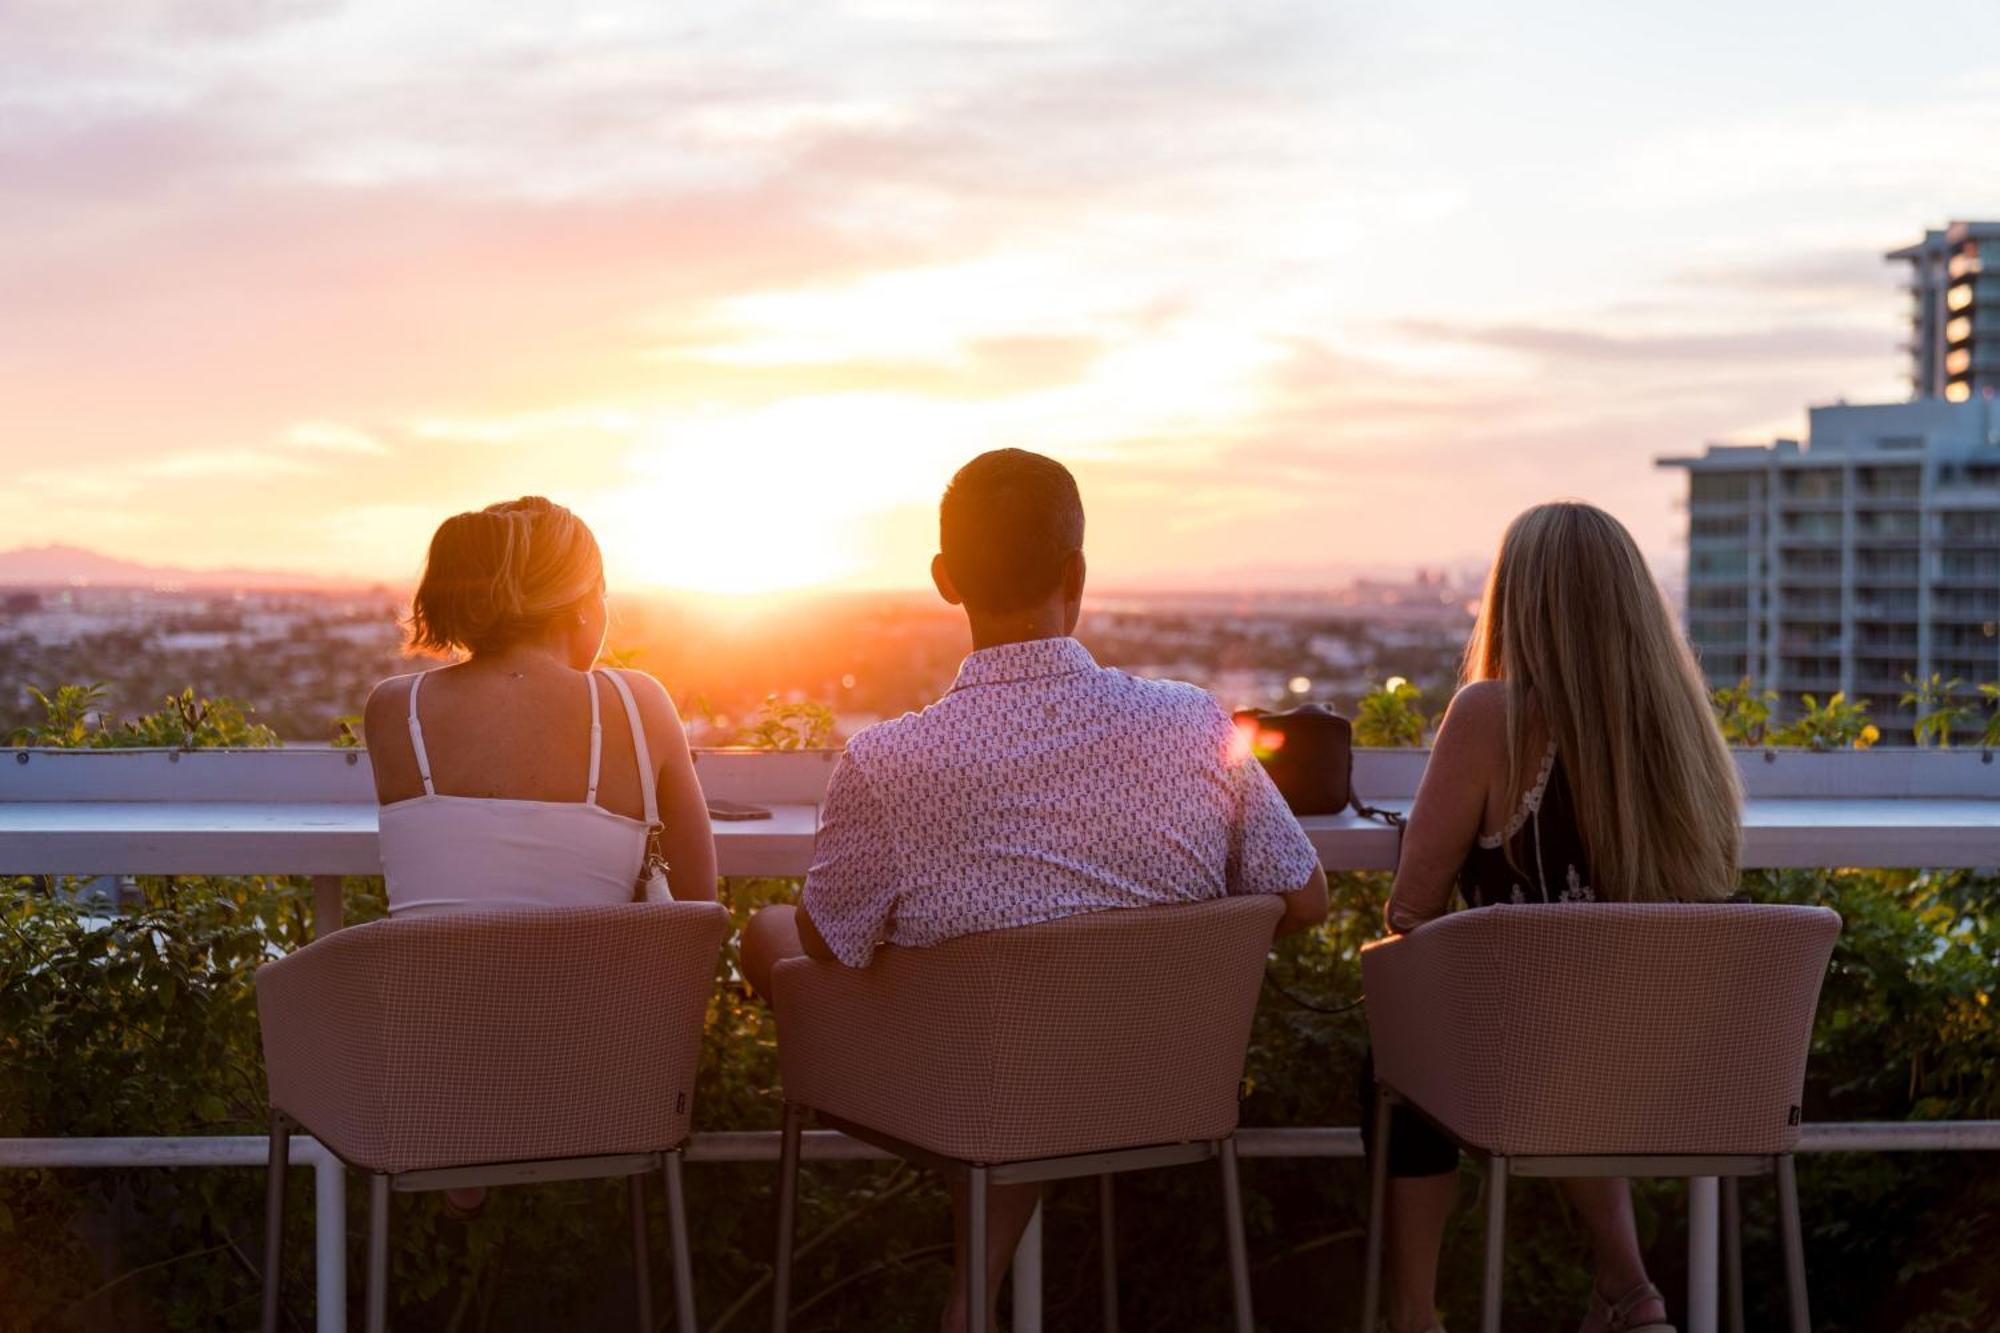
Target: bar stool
493	1048
1599	1039
1108	1042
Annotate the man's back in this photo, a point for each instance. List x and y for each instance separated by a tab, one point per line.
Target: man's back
1041	786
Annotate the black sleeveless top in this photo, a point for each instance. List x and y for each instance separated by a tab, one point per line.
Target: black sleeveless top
1538	857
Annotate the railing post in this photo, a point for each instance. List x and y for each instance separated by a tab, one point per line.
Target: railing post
328	910
1704	1246
330	1241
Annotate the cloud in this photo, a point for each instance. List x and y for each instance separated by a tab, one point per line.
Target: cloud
332	437
1593	347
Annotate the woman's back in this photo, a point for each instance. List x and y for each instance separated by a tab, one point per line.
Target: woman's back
521	788
1538	855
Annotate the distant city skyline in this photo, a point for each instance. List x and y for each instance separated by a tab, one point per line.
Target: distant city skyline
1291	287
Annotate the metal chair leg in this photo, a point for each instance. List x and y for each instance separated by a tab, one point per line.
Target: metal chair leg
1107	1226
1732	1254
1496	1244
274	1218
642	1270
1793	1238
788	1191
1239	1250
975	1250
1378	1209
378	1253
677	1226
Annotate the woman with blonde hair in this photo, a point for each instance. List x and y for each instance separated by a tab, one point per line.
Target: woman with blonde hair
501	783
1580	762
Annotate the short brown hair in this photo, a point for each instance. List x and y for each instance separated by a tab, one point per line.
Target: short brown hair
503	574
1008	521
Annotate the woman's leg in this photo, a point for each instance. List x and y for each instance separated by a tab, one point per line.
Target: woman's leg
1008	1208
1606	1208
1419	1208
771	937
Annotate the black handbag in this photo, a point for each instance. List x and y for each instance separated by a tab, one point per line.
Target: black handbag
1309	753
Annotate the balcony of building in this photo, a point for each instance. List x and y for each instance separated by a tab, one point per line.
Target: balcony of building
313	813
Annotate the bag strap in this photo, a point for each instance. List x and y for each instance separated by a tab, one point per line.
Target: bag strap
649	780
1393	819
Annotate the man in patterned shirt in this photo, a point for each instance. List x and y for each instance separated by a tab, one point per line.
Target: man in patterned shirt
1041	786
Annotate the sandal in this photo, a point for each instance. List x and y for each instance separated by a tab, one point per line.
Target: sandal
1617	1315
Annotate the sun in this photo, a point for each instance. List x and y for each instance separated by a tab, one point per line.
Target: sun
790	497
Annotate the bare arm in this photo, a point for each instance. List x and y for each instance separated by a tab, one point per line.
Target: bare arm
687	840
815	944
1305	906
1451	803
385	730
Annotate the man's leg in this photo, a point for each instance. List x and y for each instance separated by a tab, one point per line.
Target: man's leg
771	937
1008	1208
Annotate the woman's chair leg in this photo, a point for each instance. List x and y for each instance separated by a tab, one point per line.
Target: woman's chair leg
1496	1244
1378	1209
1732	1253
274	1218
677	1225
788	1192
1239	1250
1793	1239
975	1249
642	1270
378	1253
1107	1226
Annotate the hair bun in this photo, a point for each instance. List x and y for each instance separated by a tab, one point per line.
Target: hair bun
502	574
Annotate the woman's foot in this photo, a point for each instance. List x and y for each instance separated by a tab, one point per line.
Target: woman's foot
465	1204
1639	1309
1423	1322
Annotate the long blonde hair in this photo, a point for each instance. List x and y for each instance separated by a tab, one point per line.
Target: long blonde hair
1574	626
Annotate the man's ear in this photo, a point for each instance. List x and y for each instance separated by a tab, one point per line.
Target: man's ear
1072	576
942	578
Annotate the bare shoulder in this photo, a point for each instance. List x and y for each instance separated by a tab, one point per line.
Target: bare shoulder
647	691
388	705
1477	718
656	706
1483	700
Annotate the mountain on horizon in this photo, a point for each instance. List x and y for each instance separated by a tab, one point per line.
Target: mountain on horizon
61	565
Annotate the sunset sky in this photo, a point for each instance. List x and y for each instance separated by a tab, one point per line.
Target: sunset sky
1292	286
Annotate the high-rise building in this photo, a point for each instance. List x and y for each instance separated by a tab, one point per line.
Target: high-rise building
1955	311
1868	554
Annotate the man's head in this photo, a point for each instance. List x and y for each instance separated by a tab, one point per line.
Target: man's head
1010	538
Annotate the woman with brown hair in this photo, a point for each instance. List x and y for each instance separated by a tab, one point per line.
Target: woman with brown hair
1580	762
501	784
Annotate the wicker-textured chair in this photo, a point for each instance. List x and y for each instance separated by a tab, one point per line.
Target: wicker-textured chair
1107	1042
493	1048
1597	1039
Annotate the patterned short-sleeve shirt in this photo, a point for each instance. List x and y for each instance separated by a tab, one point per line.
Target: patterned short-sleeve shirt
1042	786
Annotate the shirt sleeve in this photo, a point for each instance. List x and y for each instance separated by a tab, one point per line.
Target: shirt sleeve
852	885
1269	852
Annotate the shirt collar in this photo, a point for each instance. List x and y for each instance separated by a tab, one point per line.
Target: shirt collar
1032	659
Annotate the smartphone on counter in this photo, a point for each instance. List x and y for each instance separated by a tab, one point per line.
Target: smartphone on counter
734	810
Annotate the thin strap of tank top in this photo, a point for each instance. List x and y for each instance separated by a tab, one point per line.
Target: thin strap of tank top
417	736
596	739
649	781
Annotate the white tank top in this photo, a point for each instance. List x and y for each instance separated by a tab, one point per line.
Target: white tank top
456	853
